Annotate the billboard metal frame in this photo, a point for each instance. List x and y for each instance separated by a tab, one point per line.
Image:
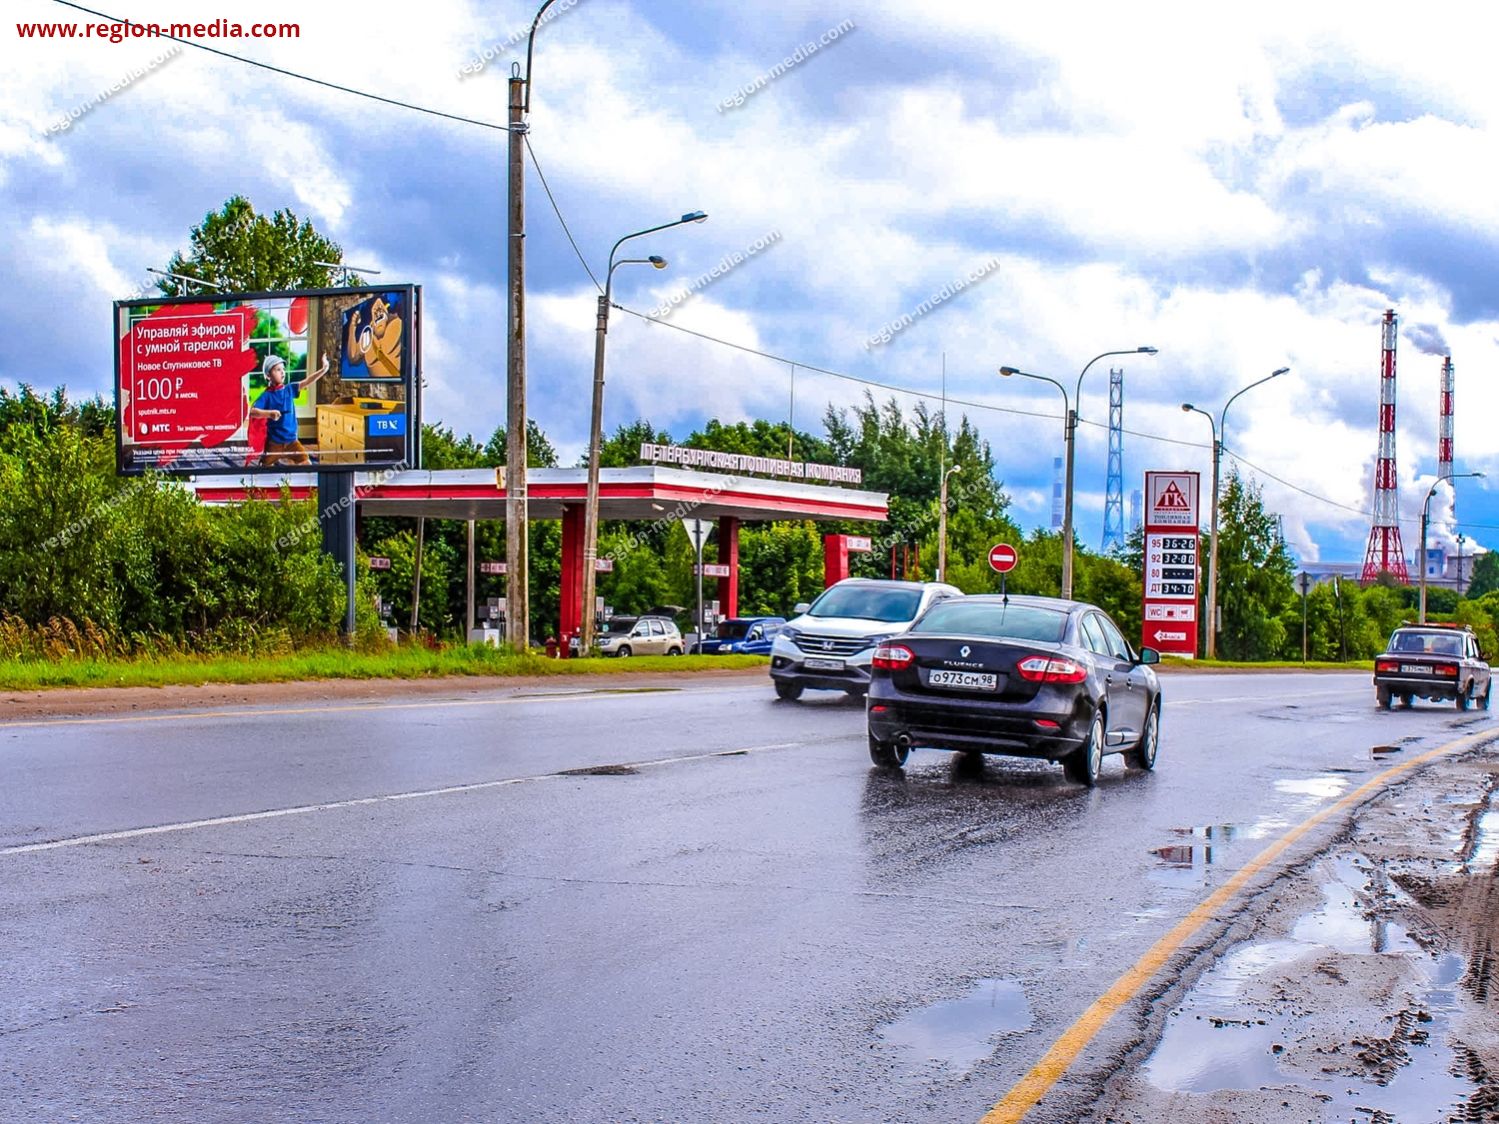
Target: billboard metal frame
410	380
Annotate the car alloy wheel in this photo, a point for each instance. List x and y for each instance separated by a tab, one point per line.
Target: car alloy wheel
624	652
1084	764
889	755
1143	755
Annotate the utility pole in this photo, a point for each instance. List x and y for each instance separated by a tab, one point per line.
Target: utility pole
517	523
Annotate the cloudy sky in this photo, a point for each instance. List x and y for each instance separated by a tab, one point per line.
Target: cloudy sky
1243	187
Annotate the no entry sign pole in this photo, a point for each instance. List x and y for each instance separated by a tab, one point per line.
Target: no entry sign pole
1002	559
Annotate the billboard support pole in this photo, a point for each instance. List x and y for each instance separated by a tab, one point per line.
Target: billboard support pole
335	500
469	586
416	572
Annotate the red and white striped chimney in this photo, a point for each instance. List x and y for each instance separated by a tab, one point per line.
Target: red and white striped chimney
1444	431
1385	554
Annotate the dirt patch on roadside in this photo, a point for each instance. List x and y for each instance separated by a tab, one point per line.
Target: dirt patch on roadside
1367	988
103	702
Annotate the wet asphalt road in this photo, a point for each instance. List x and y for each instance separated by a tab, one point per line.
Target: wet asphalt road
748	923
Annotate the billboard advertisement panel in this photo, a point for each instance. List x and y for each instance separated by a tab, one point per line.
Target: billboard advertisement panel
244	383
1169	623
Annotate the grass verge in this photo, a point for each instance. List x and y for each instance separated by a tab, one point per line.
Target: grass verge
337	663
1177	663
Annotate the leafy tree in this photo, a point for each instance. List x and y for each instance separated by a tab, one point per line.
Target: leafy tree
443	449
760	438
780	564
1254	575
237	250
621	449
540	452
1485	578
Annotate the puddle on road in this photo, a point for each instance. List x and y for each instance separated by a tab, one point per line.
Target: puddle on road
1186	863
1322	787
960	1033
600	771
1485	840
1218	1040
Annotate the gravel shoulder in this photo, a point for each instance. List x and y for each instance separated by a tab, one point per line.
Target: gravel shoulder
1360	986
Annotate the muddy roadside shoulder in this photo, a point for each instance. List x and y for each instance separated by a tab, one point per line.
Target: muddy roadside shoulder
106	702
1360	984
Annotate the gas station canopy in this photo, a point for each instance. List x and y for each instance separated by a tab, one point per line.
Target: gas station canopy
646	493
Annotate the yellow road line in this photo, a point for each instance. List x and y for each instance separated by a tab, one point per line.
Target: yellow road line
1029	1090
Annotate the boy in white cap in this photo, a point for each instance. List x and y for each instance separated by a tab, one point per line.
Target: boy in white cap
278	405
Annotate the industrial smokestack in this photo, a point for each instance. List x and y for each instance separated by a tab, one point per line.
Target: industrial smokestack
1056	495
1444	432
1386	554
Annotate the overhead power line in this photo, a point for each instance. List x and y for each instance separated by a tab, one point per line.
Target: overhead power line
294	74
556	210
562	221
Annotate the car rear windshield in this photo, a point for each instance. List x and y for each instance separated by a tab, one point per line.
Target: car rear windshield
733	630
867	603
1436	644
1006	622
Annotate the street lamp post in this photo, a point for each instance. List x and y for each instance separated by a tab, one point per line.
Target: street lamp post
1461	539
1425	520
942	525
1070	432
1210	649
596	425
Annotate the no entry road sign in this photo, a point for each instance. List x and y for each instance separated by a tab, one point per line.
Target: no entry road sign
1002	557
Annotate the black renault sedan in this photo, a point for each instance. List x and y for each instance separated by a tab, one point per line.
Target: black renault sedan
1017	676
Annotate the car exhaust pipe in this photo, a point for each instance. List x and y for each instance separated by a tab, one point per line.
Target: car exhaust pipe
903	741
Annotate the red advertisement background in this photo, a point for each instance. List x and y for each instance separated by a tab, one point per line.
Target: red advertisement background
174	396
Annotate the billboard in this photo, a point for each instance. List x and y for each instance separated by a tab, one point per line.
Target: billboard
1169	623
243	383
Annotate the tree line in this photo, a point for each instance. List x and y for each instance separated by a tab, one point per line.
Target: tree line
92	564
95	564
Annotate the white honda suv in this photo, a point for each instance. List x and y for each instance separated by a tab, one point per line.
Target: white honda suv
829	644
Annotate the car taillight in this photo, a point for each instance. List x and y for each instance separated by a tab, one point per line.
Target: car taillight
1041	669
1386	665
1447	669
892	657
